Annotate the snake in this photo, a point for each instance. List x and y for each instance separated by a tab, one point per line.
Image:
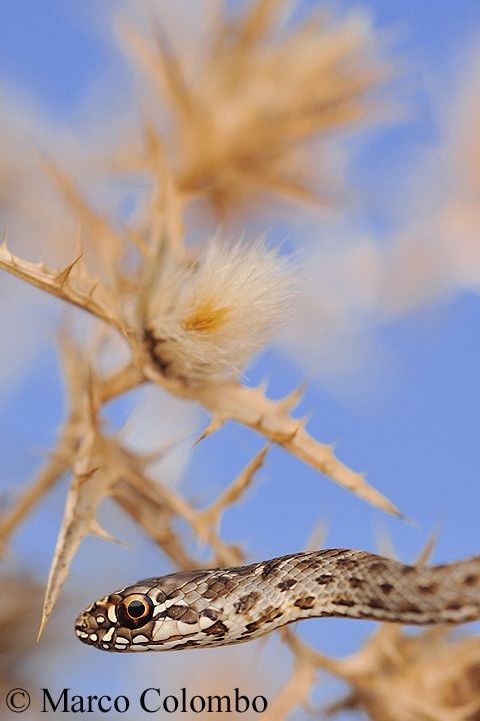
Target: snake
223	606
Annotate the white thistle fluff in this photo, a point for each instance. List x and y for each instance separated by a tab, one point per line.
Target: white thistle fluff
208	318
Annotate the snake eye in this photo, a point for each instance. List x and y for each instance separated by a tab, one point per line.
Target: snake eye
135	611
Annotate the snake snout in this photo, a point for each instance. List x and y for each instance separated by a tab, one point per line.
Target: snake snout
81	624
84	626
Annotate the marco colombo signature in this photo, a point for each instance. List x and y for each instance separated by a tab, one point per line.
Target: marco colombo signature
151	700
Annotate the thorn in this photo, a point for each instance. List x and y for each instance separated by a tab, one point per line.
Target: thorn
291	400
260	457
41	629
215	424
97	530
317	536
330	448
63	275
262	387
384	542
4	240
304	421
92	289
406	519
429	547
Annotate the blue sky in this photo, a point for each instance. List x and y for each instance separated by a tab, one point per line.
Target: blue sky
417	439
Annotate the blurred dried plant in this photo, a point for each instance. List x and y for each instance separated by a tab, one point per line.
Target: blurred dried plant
395	676
20	598
190	319
244	114
432	676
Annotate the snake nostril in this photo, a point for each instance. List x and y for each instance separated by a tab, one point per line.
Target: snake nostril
81	622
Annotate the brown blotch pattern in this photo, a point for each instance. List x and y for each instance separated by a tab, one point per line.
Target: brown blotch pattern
376	603
324	579
288	583
210	613
471	580
347	564
356	582
409	608
331	553
176	612
454	606
387	588
190	616
218	629
343	602
378	567
269	567
303	564
305	602
268	616
219	587
245	603
157	595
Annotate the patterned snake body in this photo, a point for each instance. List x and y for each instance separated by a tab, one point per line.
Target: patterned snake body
204	608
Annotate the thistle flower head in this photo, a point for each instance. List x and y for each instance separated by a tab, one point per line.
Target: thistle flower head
243	112
206	319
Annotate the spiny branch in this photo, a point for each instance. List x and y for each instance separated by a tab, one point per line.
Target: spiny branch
155	519
57	465
59	283
210	518
224	554
250	407
226	400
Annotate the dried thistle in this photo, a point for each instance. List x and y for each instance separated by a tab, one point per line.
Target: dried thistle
243	115
123	300
432	676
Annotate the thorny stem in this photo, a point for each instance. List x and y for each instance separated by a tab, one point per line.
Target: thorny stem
119	382
150	516
60	461
57	465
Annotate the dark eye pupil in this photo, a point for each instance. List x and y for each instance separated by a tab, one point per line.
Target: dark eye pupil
136	609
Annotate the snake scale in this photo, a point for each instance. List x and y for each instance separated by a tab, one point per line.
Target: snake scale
216	607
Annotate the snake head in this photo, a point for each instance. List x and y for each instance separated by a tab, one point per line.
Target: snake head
121	621
158	614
